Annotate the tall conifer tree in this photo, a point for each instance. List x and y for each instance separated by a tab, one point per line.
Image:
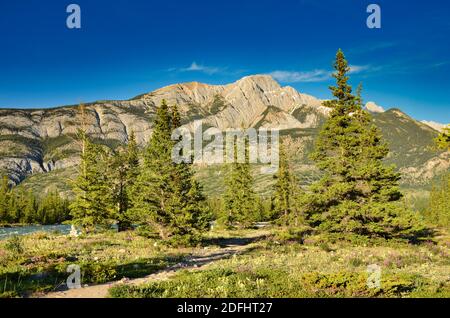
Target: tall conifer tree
166	196
90	207
240	202
287	192
438	210
122	173
4	199
443	140
357	192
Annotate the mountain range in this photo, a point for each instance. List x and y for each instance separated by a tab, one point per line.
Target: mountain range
38	147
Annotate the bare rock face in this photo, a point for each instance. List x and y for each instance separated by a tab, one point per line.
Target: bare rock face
236	105
426	171
34	141
39	141
436	126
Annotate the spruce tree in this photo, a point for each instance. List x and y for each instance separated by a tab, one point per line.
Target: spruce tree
190	216
357	192
53	209
287	192
438	210
4	199
165	195
90	206
240	201
122	172
17	205
443	140
31	207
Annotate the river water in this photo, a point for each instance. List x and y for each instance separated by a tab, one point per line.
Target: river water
27	229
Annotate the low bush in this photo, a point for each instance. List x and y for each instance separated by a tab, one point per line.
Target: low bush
15	246
97	273
292	234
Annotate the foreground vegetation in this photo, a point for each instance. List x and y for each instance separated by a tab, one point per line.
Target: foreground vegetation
38	262
278	264
318	266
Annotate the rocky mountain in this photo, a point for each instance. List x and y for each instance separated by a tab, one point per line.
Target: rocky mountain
434	125
41	142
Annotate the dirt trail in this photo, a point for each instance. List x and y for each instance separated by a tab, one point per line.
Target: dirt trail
195	262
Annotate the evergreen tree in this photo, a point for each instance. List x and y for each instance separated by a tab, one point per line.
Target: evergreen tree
132	160
4	200
53	209
438	211
190	215
165	195
287	192
90	206
17	205
443	140
357	192
240	201
123	170
31	207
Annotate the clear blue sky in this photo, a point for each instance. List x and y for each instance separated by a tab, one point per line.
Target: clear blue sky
126	48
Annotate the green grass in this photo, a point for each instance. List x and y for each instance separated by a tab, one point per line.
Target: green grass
58	179
40	264
293	264
278	283
291	269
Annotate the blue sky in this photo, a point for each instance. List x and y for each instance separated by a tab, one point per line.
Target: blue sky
126	48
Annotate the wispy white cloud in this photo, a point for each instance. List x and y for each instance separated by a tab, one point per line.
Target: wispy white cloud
439	64
195	67
371	47
355	69
295	77
318	75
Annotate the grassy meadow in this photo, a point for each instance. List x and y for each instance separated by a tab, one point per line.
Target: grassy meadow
270	263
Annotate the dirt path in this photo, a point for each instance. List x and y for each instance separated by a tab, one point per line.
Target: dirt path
196	262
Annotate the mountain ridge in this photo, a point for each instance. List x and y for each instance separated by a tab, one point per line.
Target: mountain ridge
42	140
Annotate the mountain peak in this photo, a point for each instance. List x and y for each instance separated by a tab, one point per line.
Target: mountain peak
264	81
258	77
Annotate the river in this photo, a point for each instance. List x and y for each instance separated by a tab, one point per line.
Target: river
27	229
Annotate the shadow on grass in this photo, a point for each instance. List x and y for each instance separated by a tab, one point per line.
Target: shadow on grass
53	278
21	283
233	241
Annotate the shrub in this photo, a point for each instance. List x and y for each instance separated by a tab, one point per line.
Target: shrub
325	247
269	283
292	234
97	273
353	284
15	246
146	231
9	294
